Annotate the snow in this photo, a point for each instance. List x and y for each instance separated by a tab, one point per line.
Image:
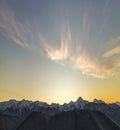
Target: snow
24	105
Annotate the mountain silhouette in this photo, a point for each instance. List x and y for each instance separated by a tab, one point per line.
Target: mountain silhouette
72	120
80	114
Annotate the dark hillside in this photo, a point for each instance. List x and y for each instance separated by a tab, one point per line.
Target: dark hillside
72	120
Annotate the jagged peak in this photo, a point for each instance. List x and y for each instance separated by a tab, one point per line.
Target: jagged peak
98	101
71	102
57	104
118	103
79	99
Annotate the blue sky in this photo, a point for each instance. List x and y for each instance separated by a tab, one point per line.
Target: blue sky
59	50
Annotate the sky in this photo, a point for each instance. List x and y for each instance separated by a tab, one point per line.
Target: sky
59	50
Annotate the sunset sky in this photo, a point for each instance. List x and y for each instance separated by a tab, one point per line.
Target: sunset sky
58	50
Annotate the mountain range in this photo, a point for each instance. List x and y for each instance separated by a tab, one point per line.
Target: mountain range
18	115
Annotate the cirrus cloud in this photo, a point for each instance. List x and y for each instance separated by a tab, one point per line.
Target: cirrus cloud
63	52
20	33
69	52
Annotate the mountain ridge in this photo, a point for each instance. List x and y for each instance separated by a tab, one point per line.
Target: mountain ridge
72	120
21	109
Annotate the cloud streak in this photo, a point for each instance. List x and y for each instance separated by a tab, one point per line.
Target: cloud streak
90	65
69	52
80	59
63	52
86	20
112	52
12	28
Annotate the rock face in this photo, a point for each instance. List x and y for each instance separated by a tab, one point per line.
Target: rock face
71	120
13	113
8	122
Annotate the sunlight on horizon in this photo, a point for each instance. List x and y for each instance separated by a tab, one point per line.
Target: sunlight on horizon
57	51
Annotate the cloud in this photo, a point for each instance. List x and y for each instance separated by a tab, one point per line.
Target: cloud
63	52
112	52
13	29
79	58
114	41
90	65
86	19
69	51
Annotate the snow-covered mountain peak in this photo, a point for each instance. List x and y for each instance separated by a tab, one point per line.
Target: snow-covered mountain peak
98	101
80	103
26	105
71	102
80	99
118	103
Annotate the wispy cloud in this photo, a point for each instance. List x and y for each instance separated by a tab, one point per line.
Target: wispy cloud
80	59
69	51
86	20
112	52
63	52
12	28
114	41
106	16
112	64
90	65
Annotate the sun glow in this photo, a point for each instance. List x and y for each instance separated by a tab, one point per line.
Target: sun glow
57	51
